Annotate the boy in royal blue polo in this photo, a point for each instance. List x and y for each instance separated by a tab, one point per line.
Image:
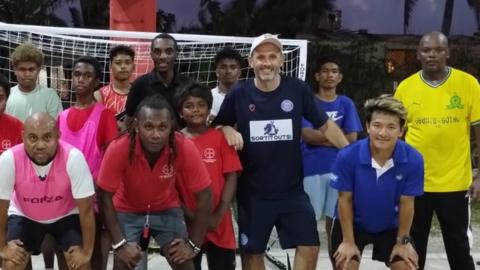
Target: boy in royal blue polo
318	153
268	112
377	179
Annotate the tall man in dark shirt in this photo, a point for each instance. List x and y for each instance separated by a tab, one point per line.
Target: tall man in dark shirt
163	79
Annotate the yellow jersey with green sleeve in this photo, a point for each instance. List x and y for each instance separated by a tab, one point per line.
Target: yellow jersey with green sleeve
438	126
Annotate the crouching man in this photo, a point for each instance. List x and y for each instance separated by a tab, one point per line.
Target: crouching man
45	188
377	179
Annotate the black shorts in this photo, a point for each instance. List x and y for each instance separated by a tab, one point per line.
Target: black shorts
383	243
66	231
293	218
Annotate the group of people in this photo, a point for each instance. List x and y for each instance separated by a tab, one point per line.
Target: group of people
164	157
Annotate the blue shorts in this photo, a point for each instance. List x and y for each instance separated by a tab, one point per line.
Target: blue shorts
66	232
322	196
293	217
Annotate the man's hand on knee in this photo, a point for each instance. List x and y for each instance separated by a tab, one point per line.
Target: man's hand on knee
344	254
77	257
15	252
179	251
407	253
130	254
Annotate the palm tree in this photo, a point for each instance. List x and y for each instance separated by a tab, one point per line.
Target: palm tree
447	14
92	14
251	17
447	17
407	11
475	5
37	12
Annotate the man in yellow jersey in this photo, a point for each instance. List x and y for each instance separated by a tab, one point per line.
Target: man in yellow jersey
443	104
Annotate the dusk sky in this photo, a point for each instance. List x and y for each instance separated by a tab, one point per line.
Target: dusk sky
377	16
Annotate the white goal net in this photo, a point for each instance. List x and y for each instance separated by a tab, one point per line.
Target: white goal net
61	46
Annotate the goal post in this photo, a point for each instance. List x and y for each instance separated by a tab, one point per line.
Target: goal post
62	45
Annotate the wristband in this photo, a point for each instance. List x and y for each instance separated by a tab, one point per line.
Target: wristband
194	247
119	244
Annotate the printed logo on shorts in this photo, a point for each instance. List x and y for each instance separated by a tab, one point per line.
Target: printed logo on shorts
209	155
271	130
167	171
286	105
243	239
6	144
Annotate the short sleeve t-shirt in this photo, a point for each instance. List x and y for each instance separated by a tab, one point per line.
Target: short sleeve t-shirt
12	135
138	187
218	98
219	159
149	85
319	159
270	124
439	120
41	99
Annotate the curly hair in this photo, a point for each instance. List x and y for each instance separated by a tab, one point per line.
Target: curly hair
155	102
228	53
26	52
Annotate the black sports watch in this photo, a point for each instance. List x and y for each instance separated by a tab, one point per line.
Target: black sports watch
405	239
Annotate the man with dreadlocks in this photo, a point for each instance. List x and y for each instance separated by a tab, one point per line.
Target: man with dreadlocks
141	170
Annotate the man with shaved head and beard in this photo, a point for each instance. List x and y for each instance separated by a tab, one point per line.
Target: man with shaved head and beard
443	106
46	187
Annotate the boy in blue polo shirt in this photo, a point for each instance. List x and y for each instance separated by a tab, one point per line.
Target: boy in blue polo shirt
377	179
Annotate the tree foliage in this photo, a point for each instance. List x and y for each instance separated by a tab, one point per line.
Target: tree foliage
251	17
36	12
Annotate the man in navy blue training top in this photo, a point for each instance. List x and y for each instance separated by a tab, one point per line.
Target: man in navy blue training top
268	112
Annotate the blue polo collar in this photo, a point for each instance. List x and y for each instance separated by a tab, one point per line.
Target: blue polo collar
399	154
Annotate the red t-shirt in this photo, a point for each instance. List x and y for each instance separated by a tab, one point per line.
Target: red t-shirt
10	131
137	186
107	128
219	158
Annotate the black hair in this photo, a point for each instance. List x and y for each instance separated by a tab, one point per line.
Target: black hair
91	61
5	84
323	60
228	53
165	36
385	104
155	102
193	89
121	49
